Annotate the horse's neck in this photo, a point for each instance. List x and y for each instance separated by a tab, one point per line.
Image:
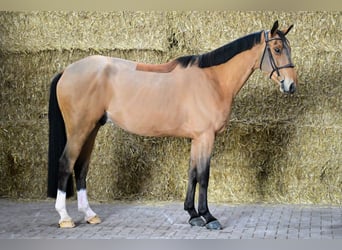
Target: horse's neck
233	74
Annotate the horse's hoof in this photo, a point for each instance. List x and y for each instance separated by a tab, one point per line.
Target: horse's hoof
197	222
94	220
213	225
66	224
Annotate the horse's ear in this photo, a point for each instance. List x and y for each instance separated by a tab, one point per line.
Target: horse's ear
287	31
274	28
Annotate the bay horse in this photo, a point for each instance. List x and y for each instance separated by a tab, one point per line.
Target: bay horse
190	96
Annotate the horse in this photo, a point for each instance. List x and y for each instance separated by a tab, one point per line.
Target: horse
190	97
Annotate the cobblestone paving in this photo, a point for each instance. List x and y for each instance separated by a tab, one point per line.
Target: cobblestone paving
168	220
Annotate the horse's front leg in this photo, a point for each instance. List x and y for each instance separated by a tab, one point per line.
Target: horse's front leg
203	180
189	204
199	171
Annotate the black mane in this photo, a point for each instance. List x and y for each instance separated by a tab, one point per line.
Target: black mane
222	54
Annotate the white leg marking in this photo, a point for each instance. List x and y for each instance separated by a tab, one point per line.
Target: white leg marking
61	207
83	204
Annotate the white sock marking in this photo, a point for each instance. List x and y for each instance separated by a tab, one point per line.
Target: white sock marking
83	204
61	207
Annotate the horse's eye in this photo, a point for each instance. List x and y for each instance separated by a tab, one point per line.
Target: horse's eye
277	50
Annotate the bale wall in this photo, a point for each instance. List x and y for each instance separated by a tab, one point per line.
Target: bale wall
276	148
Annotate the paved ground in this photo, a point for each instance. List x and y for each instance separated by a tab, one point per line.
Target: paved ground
168	220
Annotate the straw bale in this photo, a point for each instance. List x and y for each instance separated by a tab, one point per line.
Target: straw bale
201	31
276	148
137	167
67	30
23	171
278	163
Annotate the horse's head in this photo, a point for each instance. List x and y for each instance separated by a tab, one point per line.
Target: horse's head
276	59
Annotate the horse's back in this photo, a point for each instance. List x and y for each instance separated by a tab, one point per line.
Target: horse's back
98	64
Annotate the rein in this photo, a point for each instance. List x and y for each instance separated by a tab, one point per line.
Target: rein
272	62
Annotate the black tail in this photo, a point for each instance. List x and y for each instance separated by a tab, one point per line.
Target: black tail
57	141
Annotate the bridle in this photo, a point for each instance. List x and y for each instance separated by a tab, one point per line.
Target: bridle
274	66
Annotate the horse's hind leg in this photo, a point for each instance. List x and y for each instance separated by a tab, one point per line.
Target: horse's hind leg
81	170
66	164
72	150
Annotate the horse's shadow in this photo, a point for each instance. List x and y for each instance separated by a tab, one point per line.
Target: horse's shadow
275	136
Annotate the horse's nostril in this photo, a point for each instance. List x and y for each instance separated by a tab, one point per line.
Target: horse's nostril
292	88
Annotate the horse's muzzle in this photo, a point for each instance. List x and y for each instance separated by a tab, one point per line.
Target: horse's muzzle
288	88
292	88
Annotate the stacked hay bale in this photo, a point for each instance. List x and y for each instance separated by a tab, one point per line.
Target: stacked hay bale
276	148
